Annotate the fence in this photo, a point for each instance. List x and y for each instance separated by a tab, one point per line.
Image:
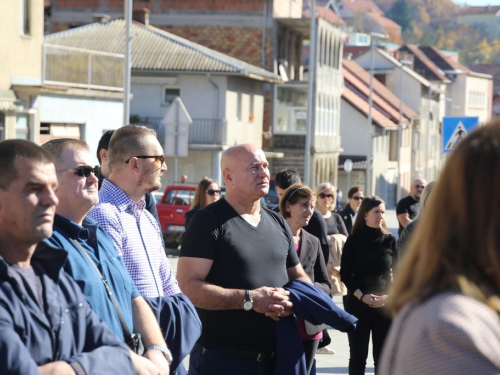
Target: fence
76	67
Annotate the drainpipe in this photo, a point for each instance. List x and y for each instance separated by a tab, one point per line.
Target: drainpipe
217	155
264	29
209	78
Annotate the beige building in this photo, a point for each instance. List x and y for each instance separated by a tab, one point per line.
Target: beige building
21	30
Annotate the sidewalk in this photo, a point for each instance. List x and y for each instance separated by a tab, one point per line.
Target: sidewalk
327	363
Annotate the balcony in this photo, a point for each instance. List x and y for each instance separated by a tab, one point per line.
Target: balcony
203	131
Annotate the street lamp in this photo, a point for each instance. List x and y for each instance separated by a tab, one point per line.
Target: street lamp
370	106
400	125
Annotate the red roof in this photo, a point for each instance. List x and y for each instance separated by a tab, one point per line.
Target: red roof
361	6
489	9
362	106
386	23
379	90
423	64
326	14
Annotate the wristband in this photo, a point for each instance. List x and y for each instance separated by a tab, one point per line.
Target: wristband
361	298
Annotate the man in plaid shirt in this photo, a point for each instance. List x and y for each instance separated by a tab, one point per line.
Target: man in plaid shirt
136	163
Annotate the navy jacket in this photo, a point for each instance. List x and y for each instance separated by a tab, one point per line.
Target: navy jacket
68	330
315	306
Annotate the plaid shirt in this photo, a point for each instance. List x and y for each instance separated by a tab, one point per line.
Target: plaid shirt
137	237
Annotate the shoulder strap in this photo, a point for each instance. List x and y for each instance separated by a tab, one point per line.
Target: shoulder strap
126	332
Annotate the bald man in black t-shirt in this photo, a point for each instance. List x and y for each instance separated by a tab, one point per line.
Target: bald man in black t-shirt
235	256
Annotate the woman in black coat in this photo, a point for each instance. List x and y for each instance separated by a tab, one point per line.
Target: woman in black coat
368	259
348	214
296	206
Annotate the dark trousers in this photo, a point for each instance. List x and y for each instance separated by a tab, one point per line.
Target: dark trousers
372	321
310	348
205	361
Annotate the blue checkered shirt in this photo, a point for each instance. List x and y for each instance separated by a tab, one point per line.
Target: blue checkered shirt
137	237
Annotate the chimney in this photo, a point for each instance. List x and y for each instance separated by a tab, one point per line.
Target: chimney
141	16
99	17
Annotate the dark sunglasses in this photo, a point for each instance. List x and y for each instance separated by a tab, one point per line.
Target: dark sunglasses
212	192
358	198
420	186
161	158
323	195
84	170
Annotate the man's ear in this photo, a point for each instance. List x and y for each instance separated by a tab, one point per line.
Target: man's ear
133	165
104	155
228	176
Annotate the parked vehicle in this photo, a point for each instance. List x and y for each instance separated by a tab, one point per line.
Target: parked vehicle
175	202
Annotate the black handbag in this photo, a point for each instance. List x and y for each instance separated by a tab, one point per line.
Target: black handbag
133	340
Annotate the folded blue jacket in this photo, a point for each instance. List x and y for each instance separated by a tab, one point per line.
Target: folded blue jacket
312	304
179	321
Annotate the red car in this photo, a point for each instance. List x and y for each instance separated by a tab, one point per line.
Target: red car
174	203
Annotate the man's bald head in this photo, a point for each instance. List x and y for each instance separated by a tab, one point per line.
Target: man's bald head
245	170
417	187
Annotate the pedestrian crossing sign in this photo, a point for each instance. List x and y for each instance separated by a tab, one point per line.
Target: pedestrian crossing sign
455	129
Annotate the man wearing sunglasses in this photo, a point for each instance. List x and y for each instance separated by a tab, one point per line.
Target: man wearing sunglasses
136	163
102	157
76	233
409	207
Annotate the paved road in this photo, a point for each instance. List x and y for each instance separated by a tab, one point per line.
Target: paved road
325	363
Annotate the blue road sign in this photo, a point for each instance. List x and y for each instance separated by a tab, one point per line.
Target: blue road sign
455	129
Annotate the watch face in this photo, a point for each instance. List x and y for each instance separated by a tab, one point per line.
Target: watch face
247	306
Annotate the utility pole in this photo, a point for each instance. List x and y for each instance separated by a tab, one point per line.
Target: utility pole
128	62
310	94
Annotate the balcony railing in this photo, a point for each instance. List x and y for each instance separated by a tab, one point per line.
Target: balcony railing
76	67
202	131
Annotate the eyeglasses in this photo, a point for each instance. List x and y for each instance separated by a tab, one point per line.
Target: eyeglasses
84	170
212	192
358	198
323	195
161	158
419	186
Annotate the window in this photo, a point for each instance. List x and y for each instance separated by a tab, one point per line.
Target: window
22	126
25	17
291	110
169	95
477	99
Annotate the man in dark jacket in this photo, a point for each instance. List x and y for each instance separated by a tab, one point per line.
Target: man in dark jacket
47	326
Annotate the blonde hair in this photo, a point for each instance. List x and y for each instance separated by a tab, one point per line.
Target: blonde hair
324	186
456	246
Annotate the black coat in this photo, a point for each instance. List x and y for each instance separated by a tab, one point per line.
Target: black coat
347	213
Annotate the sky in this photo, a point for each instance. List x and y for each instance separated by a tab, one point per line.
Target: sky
477	2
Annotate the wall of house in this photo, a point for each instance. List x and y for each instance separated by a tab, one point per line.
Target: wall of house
287	8
197	93
196	165
23	58
244	129
475	85
94	115
353	130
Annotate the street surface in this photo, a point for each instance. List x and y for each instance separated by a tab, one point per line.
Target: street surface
326	363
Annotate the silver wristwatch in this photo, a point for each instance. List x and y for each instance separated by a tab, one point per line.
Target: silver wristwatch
166	352
248	302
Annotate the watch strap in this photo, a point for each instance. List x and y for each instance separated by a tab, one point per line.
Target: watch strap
166	352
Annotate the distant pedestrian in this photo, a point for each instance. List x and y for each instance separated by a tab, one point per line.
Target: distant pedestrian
184	178
326	204
408	207
368	259
207	191
446	294
355	196
407	233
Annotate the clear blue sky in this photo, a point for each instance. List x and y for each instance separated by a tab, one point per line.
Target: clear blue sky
477	2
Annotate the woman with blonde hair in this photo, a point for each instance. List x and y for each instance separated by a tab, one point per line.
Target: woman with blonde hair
446	296
326	201
207	192
368	258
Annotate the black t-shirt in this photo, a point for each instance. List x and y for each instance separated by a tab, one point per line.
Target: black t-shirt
244	257
335	225
409	206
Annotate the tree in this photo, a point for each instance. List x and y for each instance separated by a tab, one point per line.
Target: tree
401	14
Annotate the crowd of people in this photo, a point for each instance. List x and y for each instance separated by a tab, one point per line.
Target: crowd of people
86	287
